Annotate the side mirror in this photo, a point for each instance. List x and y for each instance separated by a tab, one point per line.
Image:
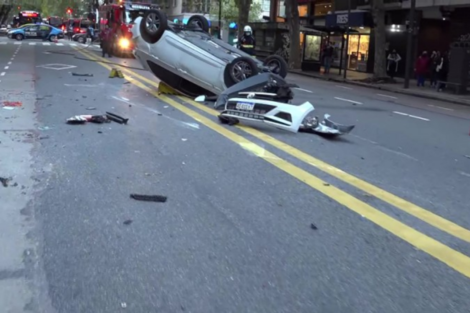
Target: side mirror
200	99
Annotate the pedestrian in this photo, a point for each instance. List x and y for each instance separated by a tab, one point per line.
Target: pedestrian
392	63
105	42
421	68
328	53
442	69
434	62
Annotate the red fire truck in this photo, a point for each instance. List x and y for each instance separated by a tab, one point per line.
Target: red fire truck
119	17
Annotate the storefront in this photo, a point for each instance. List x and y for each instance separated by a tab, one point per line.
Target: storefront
357	56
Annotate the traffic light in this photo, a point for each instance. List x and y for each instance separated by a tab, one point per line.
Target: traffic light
69	11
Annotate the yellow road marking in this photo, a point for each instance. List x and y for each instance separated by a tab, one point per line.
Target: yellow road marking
454	259
402	204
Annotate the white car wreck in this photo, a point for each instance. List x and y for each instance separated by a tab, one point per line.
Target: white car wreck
190	60
266	99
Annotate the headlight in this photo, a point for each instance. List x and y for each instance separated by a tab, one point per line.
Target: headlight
124	43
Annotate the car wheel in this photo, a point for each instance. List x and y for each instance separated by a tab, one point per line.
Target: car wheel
200	21
277	65
239	69
153	26
81	39
19	37
53	38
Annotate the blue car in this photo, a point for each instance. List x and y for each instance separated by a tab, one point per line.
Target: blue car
36	31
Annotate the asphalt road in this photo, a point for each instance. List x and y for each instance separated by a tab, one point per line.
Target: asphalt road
236	232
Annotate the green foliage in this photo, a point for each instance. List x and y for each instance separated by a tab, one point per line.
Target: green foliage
230	11
50	7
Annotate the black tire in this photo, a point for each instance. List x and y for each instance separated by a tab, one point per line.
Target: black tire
81	39
200	21
53	38
277	65
19	37
233	68
153	25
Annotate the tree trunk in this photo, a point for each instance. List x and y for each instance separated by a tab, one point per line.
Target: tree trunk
243	14
293	22
378	11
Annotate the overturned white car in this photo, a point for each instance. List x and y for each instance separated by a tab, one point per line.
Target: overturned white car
189	59
266	99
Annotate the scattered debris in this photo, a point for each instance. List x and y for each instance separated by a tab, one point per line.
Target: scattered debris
127	222
184	139
116	118
44	128
326	184
5	181
43	137
155	198
9	108
82	119
116	73
123	305
467	156
91	108
82	75
167	90
312	226
12	104
126	82
100	132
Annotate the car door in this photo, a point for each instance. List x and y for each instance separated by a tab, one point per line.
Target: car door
44	31
31	32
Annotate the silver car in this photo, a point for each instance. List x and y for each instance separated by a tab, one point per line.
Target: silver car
189	59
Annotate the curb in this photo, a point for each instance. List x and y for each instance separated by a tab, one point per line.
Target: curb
394	90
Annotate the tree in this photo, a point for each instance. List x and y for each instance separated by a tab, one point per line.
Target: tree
230	11
293	22
378	13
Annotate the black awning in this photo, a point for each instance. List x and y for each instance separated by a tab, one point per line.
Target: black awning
333	29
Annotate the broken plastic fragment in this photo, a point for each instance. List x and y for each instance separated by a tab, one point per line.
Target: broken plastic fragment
200	99
155	198
12	104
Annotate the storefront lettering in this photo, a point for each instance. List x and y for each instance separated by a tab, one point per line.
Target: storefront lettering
341	19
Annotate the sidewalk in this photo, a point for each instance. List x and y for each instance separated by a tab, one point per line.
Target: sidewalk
356	78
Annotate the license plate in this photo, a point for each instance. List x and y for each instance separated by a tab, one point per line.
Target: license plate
245	106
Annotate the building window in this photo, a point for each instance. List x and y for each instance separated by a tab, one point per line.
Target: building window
323	7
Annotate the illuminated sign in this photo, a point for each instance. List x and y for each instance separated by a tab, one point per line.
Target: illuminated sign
142	7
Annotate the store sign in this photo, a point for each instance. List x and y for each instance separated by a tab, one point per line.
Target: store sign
341	19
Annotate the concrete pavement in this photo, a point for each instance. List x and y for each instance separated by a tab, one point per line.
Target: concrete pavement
235	234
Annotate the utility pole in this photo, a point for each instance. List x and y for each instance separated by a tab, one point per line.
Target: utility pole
220	19
347	41
409	47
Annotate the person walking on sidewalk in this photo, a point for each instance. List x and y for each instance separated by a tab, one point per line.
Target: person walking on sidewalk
442	70
421	68
392	63
433	63
328	57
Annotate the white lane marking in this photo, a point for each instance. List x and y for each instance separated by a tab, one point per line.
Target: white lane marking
348	88
400	113
125	99
412	116
301	89
379	94
46	44
438	107
398	153
419	118
9	63
18	43
2	74
32	43
3	43
6	67
347	100
464	174
59	44
79	85
73	44
364	139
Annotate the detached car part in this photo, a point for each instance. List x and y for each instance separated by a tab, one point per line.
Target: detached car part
190	60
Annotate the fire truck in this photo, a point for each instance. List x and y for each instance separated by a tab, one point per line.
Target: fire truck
119	18
27	17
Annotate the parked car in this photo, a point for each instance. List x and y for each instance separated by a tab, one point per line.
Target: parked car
3	30
189	59
36	31
82	37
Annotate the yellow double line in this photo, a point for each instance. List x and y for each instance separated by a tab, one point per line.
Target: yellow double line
455	259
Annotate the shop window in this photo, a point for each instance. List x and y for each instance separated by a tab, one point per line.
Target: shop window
312	48
303	10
